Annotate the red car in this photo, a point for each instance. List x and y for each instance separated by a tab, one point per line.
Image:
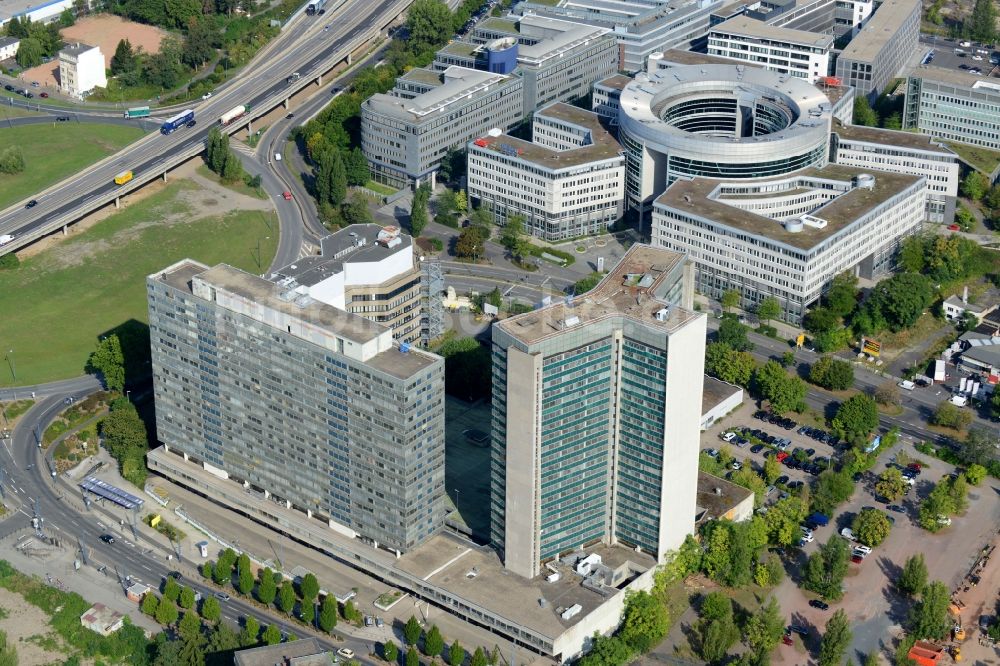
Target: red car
781	456
857	559
953	227
44	94
787	640
914	466
287	195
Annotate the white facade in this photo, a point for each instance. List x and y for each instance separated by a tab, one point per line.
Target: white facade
8	47
903	152
805	55
81	69
568	181
788	237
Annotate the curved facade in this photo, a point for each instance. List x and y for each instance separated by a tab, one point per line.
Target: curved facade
718	121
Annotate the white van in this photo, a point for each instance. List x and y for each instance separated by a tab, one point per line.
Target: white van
6	238
907	385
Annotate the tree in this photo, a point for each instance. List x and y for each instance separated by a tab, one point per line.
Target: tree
730	299
470	243
764	629
478	658
958	489
975	185
186	599
309	587
108	360
418	213
773	383
351	614
429	23
871	527
982	21
832	373
716	630
842	297
338	180
124	59
891	484
222	639
29	53
232	169
390	652
411	631
746	477
729	553
412	658
938	504
210	609
864	114
190	626
887	394
771	470
832	489
980	446
895	303
171	590
929	618
433	642
644	622
266	589
729	365
11	160
356	210
733	333
769	308
251	630
826	568
307	611
357	167
975	474
200	43
271	635
950	415
836	639
512	237
245	581
166	613
286	597
856	418
456	654
149	604
913	577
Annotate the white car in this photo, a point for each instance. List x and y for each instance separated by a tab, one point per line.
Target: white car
6	238
806	538
944	520
206	95
737	465
728	436
977	57
346	653
848	534
277	157
862	550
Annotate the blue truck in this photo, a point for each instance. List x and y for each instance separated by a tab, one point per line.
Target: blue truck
817	520
178	121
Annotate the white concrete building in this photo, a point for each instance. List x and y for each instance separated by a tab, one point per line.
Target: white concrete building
788	236
802	54
81	69
8	47
568	181
902	152
39	12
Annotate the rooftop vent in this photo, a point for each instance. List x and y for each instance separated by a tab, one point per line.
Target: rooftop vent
865	180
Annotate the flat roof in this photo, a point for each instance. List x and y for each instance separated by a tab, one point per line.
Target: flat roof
956	77
423	75
616	82
303	652
76	48
11	8
886	137
880	28
497	24
715	391
614	296
716	496
458	84
693	197
679	57
604	146
458	47
562	36
748	27
7	41
353	244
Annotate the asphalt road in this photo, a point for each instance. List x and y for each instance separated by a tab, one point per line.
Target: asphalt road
26	484
145	124
303	47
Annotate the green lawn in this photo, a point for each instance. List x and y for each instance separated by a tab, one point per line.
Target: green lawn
58	302
14	112
53	152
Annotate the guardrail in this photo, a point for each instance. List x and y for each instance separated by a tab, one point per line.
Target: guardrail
177	158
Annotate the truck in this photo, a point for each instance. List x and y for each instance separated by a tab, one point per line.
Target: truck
137	112
233	114
6	238
176	122
939	372
315	7
123	177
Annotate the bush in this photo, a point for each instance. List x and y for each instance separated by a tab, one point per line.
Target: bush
9	262
832	374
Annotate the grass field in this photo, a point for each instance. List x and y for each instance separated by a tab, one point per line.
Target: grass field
58	302
14	112
53	152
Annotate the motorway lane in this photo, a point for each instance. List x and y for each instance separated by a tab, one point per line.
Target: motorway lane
309	47
142	559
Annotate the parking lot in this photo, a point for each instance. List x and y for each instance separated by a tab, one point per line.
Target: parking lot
877	612
961	56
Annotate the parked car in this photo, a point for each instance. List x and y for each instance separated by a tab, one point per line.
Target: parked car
896	508
819	603
756	448
43	94
346	653
781	480
727	436
797	629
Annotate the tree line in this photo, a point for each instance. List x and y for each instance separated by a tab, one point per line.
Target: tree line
38	40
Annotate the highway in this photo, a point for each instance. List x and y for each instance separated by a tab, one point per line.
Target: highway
310	45
26	486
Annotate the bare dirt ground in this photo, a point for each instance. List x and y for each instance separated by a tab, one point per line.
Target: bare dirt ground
208	199
26	627
105	31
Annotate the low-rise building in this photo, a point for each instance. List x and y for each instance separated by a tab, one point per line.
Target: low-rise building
902	152
365	269
718	398
81	69
955	308
880	50
303	652
789	236
568	181
136	591
953	106
103	620
8	47
719	499
802	54
38	11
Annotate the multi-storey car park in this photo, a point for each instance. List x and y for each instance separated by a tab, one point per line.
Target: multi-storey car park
718	121
788	236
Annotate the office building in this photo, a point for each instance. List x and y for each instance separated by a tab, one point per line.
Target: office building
718	121
596	417
366	269
568	181
302	403
81	69
850	15
640	27
405	138
802	54
880	50
902	152
953	106
788	236
809	15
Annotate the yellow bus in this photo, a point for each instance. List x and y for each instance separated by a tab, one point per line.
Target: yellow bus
123	177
